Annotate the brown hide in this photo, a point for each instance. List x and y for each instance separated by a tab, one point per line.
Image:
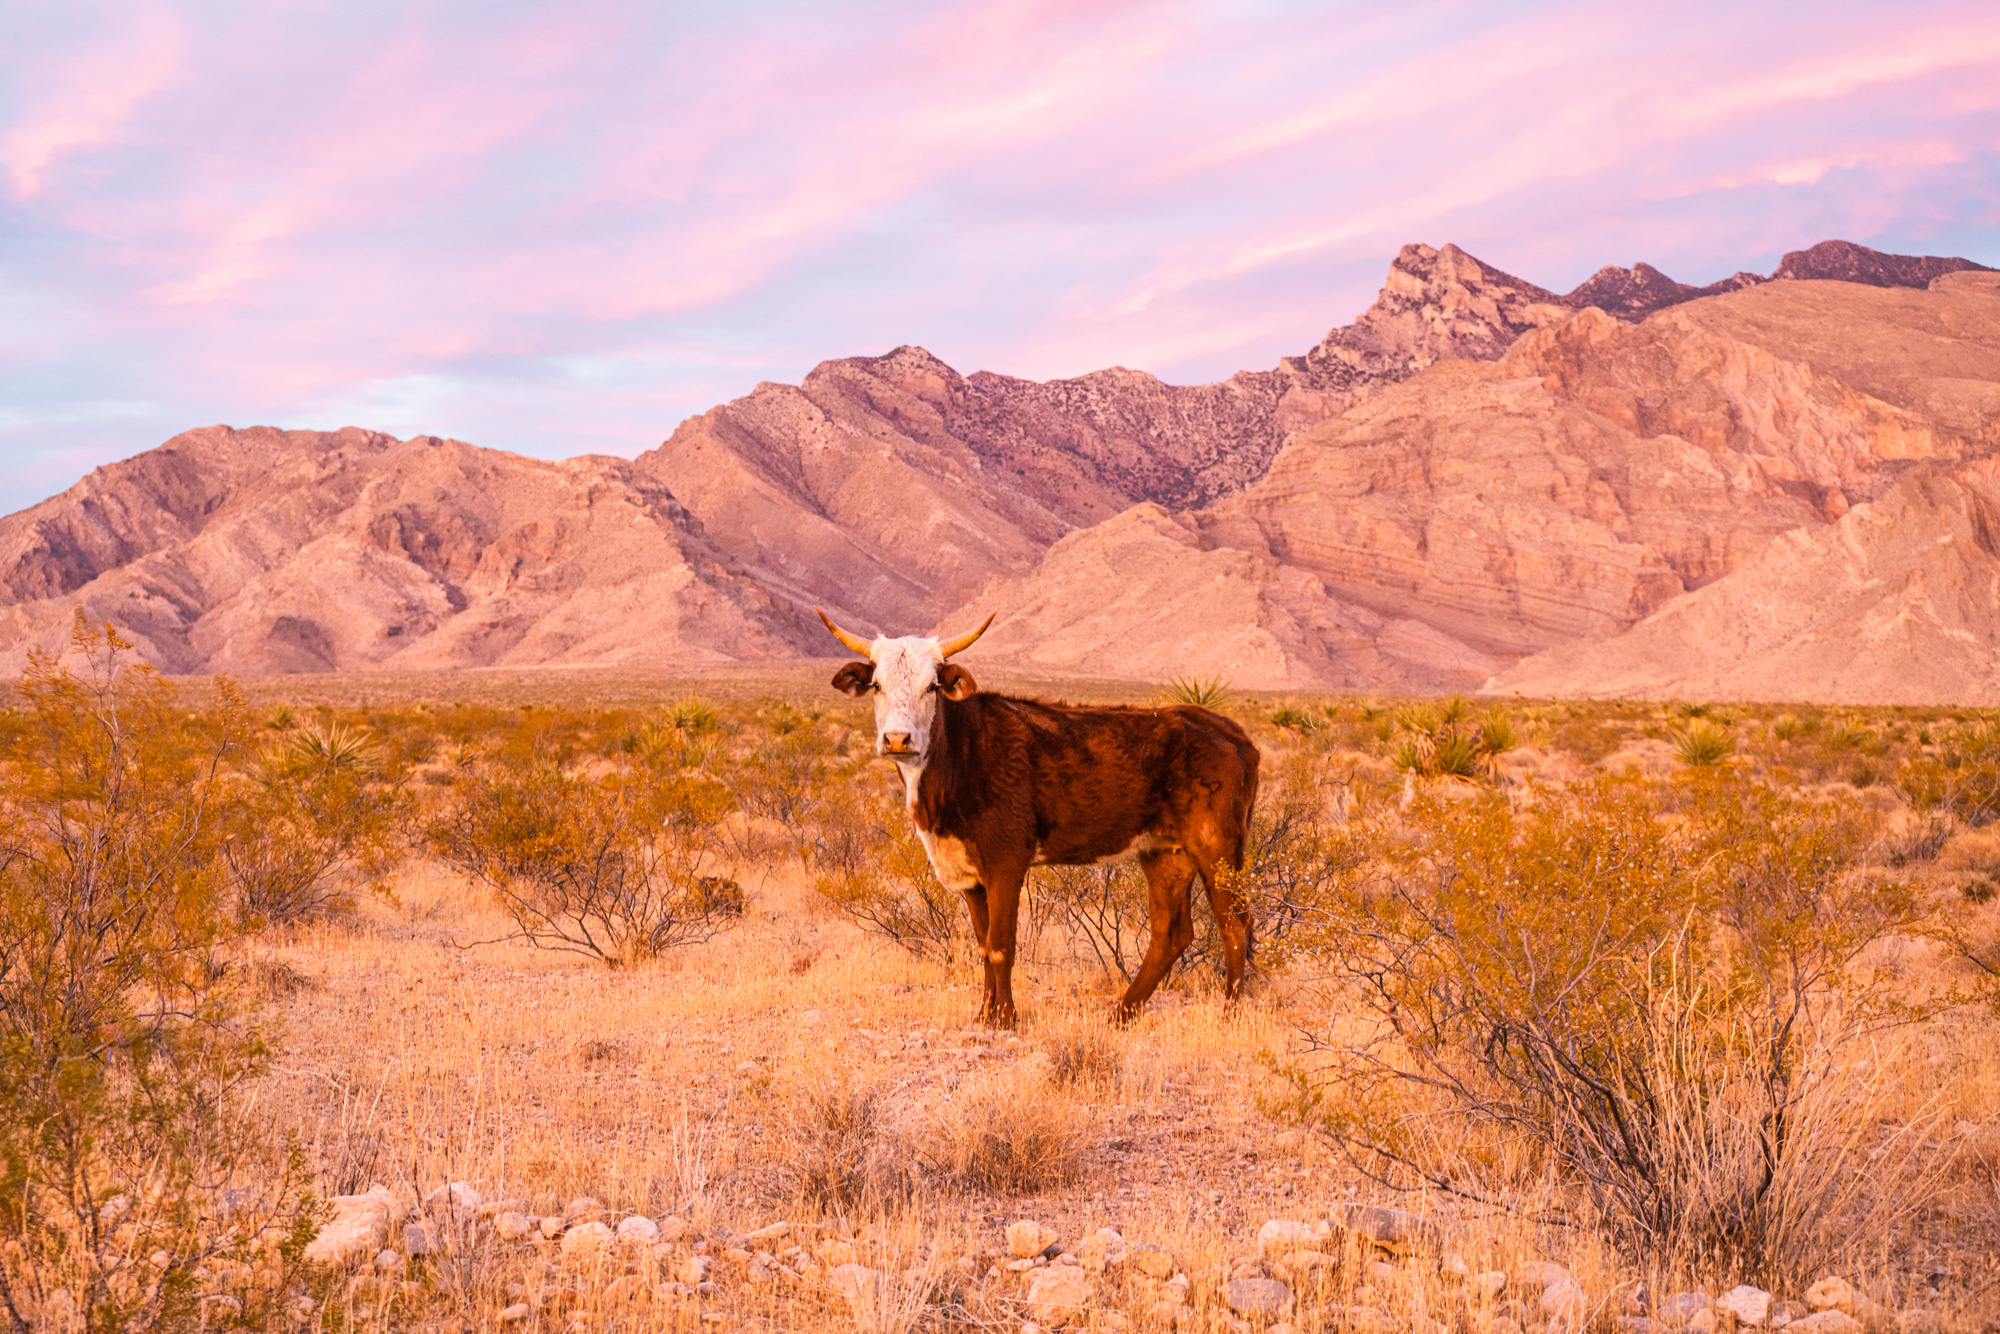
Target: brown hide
1019	782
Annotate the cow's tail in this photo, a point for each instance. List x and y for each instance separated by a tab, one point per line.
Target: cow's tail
1243	848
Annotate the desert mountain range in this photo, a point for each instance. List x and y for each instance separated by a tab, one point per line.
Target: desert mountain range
1774	486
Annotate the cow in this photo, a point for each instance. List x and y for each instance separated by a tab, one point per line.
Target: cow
997	784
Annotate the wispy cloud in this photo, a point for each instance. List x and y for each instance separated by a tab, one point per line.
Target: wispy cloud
563	228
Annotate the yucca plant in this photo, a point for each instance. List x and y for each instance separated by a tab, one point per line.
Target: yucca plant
1703	745
1210	692
1441	740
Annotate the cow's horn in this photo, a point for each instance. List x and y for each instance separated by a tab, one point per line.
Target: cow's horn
963	642
857	644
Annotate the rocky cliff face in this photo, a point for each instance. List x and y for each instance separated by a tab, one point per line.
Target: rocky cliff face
1593	476
1477	470
296	551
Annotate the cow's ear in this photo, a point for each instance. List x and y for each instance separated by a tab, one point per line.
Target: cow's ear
856	678
955	681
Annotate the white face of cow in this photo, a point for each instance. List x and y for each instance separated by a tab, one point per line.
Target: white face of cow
906	696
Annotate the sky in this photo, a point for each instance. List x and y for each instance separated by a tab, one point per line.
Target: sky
562	229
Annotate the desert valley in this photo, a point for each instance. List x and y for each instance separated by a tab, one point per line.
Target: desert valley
441	889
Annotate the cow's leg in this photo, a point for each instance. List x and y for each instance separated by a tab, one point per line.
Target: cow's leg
975	902
1004	904
1232	923
1169	878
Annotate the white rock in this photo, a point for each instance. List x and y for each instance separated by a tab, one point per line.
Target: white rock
460	1197
583	1209
551	1227
1565	1305
1831	1293
516	1313
1284	1234
1393	1230
638	1230
512	1226
359	1228
1028	1237
865	1290
771	1232
1830	1321
1103	1248
1751	1306
1540	1274
1057	1295
586	1239
694	1270
672	1228
1491	1283
1678	1309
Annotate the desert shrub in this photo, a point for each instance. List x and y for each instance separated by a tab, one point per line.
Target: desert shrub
833	1146
1958	774
614	867
1102	911
1082	1050
786	778
1703	744
873	870
312	818
135	1193
1646	986
1442	740
1210	692
998	1136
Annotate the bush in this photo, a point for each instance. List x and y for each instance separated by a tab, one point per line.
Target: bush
610	866
313	817
1645	986
1702	744
1442	741
874	872
134	1192
1210	692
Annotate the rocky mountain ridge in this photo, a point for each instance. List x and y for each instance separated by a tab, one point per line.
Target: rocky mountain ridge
1475	471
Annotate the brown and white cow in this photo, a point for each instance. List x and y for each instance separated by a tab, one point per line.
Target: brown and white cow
997	784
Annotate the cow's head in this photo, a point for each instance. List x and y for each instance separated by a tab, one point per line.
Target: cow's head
907	676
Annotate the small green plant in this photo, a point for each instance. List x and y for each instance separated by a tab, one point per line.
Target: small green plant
1441	740
1703	745
1210	692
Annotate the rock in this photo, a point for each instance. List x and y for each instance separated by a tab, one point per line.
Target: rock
1310	1262
1057	1295
1103	1248
1701	1322
638	1230
1831	1320
387	1260
512	1226
1028	1237
586	1240
1681	1307
516	1313
582	1210
1152	1261
1785	1312
865	1291
1381	1271
694	1270
359	1228
1565	1305
834	1253
757	1271
1540	1274
1831	1293
1394	1230
673	1228
1454	1268
1168	1315
1639	1324
551	1227
770	1232
626	1288
1368	1320
1283	1234
1257	1297
1751	1306
1490	1284
421	1239
460	1198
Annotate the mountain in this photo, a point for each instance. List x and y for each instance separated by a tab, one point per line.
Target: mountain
1477	478
1593	475
260	551
1897	602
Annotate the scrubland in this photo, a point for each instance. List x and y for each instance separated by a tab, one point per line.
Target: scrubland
1675	997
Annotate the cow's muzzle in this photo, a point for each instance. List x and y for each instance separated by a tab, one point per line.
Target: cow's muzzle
897	743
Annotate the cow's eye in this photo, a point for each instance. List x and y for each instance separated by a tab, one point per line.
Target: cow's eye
933	687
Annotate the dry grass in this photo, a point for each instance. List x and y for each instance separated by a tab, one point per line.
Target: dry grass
799	1069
